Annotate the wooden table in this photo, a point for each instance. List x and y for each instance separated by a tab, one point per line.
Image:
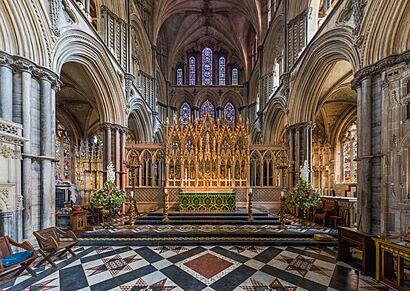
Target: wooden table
350	237
392	256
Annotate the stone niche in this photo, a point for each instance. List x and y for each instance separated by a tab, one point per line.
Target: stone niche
10	179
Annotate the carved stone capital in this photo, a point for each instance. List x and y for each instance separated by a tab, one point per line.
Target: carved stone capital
123	130
106	126
5	60
379	67
21	65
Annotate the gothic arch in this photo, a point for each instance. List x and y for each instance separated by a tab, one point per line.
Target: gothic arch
76	46
25	31
231	96
385	30
143	126
205	94
331	47
274	123
141	45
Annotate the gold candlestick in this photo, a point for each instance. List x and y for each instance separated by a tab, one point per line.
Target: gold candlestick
165	210
250	216
132	211
282	211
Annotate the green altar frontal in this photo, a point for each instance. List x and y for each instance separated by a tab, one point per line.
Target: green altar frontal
207	201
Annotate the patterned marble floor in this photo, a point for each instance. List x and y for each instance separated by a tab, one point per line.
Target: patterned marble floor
163	268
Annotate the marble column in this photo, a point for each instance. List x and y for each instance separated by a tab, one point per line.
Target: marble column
27	154
46	174
123	139
107	145
300	138
117	154
262	94
195	113
6	90
87	7
364	113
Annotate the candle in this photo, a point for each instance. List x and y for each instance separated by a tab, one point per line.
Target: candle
282	194
132	194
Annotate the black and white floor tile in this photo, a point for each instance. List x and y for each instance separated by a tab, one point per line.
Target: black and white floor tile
248	268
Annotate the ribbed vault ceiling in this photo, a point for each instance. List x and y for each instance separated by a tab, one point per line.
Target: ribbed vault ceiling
231	24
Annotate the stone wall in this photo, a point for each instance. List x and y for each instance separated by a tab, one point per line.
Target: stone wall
11	200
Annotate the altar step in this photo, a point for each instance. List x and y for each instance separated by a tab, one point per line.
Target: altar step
198	218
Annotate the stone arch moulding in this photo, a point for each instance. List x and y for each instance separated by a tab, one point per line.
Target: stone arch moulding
207	94
25	31
385	30
143	117
231	96
75	46
275	112
331	47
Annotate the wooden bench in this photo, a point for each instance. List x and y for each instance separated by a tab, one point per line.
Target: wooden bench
350	237
51	245
20	261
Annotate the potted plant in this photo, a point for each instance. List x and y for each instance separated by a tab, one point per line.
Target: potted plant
109	196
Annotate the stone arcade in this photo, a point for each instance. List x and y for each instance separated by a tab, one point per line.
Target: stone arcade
209	112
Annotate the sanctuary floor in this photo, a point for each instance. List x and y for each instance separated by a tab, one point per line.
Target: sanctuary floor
163	268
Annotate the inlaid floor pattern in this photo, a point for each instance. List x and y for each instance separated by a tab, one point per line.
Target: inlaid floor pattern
164	268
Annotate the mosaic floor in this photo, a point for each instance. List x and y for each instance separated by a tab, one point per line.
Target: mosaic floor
163	268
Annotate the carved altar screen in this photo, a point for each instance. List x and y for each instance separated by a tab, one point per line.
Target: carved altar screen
207	154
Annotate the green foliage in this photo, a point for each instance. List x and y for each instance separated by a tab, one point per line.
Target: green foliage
303	196
108	195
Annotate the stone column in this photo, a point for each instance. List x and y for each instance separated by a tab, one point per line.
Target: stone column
364	118
195	113
123	138
26	164
87	7
154	80
107	145
117	154
291	157
300	138
262	95
219	113
46	174
6	89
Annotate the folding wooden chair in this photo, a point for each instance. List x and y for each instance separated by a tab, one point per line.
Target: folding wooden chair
49	241
20	261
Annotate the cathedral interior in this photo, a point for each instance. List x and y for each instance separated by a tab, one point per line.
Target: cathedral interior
205	144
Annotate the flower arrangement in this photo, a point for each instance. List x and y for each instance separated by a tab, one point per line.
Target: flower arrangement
109	195
303	196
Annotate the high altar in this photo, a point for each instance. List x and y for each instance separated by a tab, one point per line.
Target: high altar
207	160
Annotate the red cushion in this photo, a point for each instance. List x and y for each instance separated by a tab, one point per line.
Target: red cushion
320	215
335	217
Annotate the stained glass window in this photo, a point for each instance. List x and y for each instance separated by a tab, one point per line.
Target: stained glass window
229	113
207	106
207	66
180	77
350	154
235	77
221	71
63	154
185	113
192	71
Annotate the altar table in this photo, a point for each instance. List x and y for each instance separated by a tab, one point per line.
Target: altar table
207	201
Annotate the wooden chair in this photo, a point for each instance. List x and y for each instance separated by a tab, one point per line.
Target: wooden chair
20	261
49	241
92	216
329	208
